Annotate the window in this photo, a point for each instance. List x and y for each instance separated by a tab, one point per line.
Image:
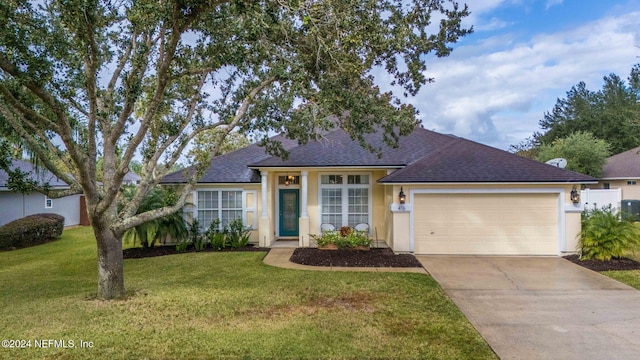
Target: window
344	199
48	203
631	182
225	205
332	207
606	186
289	180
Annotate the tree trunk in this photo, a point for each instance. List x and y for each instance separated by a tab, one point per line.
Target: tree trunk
110	264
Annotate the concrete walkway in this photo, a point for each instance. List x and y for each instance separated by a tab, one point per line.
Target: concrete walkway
279	257
542	307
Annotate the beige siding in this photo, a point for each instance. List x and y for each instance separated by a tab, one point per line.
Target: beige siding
629	192
496	223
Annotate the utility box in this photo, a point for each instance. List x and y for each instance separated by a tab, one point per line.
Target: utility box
631	208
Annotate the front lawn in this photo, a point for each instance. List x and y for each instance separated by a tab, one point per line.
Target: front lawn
222	305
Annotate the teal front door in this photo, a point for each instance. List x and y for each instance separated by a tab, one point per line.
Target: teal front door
289	212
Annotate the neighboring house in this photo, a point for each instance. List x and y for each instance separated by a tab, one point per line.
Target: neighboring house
461	197
622	171
131	178
16	205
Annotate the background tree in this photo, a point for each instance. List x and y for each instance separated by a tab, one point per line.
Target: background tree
527	148
584	153
611	114
80	79
219	141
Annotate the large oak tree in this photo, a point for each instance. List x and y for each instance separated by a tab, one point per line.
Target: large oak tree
84	79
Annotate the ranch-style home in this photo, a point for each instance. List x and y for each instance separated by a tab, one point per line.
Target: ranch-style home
15	205
433	194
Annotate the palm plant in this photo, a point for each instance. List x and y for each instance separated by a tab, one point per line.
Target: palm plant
606	234
171	226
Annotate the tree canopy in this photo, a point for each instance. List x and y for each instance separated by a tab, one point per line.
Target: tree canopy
584	153
83	79
611	114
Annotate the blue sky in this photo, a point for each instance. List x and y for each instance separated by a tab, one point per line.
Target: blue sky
523	56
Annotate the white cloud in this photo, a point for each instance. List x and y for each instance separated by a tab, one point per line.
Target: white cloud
496	91
493	24
551	3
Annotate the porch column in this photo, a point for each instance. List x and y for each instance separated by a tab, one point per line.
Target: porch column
263	191
303	190
303	222
265	233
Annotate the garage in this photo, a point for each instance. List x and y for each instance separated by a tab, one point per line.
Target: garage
486	223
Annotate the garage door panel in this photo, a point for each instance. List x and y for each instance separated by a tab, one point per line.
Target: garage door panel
500	224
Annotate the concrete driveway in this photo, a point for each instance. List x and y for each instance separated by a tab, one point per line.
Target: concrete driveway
542	307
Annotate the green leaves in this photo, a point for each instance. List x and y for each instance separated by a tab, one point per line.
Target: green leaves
605	235
610	114
584	153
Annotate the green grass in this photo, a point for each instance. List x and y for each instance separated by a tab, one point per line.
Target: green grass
223	305
629	277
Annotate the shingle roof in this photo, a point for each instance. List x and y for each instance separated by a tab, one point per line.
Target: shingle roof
465	161
337	149
42	176
423	157
231	167
131	176
623	165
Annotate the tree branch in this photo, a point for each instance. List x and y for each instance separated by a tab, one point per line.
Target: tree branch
35	146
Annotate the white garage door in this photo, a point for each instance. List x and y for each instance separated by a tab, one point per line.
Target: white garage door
486	224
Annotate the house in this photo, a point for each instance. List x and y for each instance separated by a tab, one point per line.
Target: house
131	178
433	194
622	171
16	205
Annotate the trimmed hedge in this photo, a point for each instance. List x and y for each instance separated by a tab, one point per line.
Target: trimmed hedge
31	230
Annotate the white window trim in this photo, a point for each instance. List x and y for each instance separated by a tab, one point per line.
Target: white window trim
245	210
345	193
48	202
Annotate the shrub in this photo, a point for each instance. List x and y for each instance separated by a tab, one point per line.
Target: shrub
182	246
605	234
31	230
326	238
237	234
234	235
198	240
357	238
345	237
217	238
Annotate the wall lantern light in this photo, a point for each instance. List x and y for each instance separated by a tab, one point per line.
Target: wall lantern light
402	197
575	195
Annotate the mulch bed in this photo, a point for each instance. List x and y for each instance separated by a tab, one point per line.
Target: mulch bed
598	265
376	257
356	258
138	253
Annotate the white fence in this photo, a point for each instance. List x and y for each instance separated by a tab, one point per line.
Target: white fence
601	198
